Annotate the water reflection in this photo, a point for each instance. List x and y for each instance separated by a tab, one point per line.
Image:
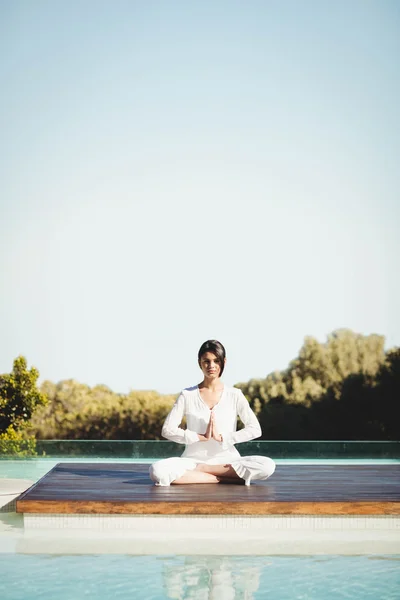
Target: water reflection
210	578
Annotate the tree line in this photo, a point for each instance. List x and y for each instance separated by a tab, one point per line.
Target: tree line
345	388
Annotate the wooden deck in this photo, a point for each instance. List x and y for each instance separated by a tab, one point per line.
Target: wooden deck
105	488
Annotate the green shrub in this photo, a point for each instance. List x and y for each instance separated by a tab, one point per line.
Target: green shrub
15	442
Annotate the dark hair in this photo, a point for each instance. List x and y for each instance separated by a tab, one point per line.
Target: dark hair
216	348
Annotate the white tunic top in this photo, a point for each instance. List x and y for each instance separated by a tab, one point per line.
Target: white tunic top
231	404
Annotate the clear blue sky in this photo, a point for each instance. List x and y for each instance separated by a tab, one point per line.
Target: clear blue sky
174	171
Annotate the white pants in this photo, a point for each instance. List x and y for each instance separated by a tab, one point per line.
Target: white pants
165	471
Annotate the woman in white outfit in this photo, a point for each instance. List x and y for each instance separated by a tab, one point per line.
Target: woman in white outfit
211	409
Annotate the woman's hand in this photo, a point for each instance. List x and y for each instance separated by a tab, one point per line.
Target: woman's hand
208	434
211	432
216	436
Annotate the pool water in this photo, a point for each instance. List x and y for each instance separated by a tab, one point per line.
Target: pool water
101	577
57	576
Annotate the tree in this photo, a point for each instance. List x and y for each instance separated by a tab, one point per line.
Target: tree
19	397
387	395
76	411
345	388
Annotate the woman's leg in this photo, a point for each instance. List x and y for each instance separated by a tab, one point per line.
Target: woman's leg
195	476
246	469
178	471
164	472
252	468
218	470
182	471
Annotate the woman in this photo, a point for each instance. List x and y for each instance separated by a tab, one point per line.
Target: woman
211	409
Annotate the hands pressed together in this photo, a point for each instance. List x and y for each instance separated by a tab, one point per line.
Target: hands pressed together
211	432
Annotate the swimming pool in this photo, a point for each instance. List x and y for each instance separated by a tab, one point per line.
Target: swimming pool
97	565
45	577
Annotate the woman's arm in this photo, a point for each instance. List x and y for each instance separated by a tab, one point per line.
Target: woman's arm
251	428
172	431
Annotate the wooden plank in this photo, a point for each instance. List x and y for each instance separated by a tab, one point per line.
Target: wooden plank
293	489
210	508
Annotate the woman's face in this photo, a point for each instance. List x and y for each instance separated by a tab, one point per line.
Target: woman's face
210	365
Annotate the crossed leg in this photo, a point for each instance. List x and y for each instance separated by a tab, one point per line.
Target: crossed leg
185	470
204	473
